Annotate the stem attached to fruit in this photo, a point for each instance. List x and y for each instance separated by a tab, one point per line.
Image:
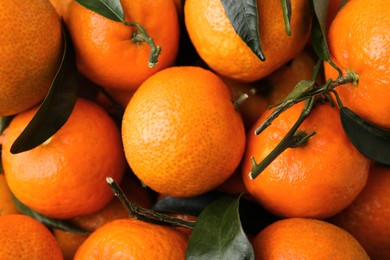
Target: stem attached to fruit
144	214
350	77
303	91
294	138
142	36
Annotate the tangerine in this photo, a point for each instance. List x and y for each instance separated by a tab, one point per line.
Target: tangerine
22	237
317	179
29	57
133	239
359	42
304	238
367	217
108	52
65	176
217	43
181	133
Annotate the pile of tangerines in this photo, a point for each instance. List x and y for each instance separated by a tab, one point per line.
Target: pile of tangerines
189	95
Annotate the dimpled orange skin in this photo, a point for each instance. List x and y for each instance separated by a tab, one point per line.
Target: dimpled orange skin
22	237
30	53
318	179
65	176
181	133
225	52
367	218
104	50
133	239
359	40
300	238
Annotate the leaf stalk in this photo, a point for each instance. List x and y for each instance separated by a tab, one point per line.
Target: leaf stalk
144	214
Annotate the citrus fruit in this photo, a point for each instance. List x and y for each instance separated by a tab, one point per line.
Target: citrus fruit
181	133
367	217
65	176
217	43
317	179
303	238
22	237
359	41
31	48
107	51
7	205
69	242
133	239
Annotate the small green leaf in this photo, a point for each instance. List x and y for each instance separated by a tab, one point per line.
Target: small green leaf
111	9
218	233
318	35
57	106
300	89
50	222
371	140
286	7
243	15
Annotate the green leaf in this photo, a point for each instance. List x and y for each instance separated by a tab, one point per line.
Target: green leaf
243	15
300	89
57	106
318	34
218	233
371	140
111	9
50	222
286	7
4	122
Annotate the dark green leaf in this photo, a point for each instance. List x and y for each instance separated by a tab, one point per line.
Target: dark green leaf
4	122
111	9
318	34
218	233
343	2
192	206
286	7
57	106
321	11
243	15
50	222
371	140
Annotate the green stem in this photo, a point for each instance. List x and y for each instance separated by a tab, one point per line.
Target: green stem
144	214
286	7
350	77
142	36
294	138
